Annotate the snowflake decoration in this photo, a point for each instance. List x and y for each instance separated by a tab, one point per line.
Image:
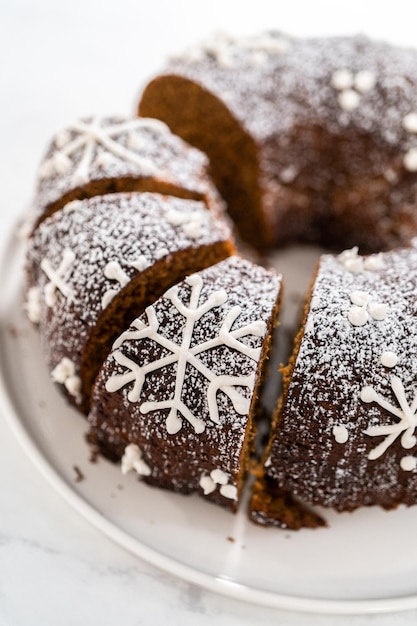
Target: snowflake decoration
88	135
406	413
58	277
114	271
182	355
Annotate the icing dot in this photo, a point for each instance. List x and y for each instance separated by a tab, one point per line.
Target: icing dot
374	262
105	159
354	265
288	174
408	463
193	228
219	477
364	81
390	176
140	263
349	99
358	316
73	385
61	163
389	359
159	254
207	485
410	160
132	459
340	433
268	462
378	311
368	394
62	370
64	374
229	491
410	122
33	305
175	217
342	79
360	298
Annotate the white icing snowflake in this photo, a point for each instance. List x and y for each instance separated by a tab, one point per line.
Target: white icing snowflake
114	271
182	355
406	413
58	277
88	135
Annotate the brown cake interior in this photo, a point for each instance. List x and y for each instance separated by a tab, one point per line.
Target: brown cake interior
232	152
256	407
139	293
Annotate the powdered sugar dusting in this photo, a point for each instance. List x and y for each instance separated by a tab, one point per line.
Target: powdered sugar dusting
338	101
341	380
96	149
226	352
111	238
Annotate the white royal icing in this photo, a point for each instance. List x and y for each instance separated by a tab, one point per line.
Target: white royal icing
33	305
406	413
218	477
340	433
64	373
132	460
389	359
183	354
58	277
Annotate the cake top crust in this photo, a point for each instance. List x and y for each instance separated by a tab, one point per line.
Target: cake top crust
99	148
338	82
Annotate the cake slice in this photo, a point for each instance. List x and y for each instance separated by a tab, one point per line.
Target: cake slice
96	156
96	264
345	429
309	139
177	397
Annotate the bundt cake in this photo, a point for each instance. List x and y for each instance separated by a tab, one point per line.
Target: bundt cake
177	397
95	156
97	263
309	139
345	430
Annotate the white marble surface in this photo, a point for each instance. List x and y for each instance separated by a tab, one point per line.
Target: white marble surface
60	61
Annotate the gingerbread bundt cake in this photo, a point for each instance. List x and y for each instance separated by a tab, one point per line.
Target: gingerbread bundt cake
97	263
345	430
309	139
177	397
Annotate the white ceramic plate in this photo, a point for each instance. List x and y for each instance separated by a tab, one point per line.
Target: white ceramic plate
364	562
